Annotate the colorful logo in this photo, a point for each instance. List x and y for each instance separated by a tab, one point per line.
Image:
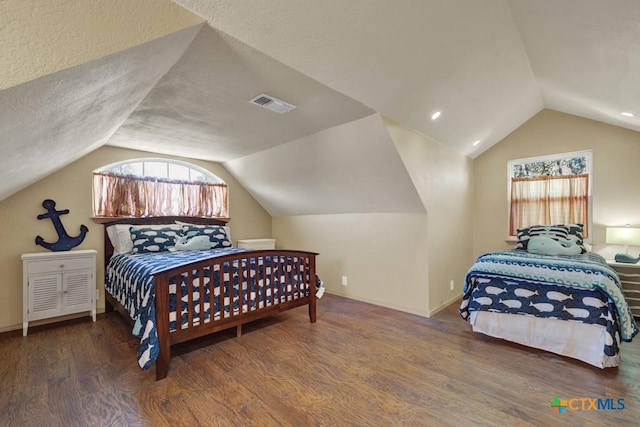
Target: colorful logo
559	405
587	404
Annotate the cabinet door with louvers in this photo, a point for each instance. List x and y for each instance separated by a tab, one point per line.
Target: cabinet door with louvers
44	296
75	292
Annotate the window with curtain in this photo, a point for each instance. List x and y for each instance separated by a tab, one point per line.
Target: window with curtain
550	190
158	187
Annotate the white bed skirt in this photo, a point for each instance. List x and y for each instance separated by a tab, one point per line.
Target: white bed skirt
572	339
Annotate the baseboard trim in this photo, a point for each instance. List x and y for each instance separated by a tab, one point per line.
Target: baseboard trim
35	323
381	304
444	305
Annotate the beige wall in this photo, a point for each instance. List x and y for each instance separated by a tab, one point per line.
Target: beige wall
442	178
71	189
398	260
616	175
383	255
42	37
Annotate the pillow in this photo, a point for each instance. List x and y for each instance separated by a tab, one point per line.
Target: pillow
227	229
195	243
544	245
556	232
153	239
216	233
575	233
120	238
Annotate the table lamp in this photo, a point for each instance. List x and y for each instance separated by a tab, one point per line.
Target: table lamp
624	236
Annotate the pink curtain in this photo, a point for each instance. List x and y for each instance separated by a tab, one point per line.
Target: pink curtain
549	200
122	196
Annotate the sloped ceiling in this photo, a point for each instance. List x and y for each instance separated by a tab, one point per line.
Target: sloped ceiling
352	168
54	120
585	55
405	59
488	65
201	106
38	37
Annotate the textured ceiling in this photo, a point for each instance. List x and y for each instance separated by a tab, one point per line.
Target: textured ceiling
403	59
585	55
52	121
352	168
488	65
38	37
201	106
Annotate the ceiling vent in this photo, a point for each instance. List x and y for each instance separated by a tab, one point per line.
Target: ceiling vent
271	103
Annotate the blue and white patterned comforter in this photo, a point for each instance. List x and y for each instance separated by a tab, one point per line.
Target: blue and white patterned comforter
578	288
129	279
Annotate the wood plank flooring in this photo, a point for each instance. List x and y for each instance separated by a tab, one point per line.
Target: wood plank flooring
358	365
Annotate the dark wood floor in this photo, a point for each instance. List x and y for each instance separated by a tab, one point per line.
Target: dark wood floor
358	365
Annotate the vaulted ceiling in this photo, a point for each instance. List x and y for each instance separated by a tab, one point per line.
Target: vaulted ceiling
175	78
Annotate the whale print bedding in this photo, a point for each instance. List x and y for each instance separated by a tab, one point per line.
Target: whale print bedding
130	279
563	291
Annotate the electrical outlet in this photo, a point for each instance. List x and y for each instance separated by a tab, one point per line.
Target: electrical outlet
451	284
344	280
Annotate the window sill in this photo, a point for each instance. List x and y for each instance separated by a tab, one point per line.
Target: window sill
124	219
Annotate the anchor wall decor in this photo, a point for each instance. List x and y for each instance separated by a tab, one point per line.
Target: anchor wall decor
65	242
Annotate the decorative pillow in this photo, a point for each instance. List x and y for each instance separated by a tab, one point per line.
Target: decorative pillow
545	245
216	233
120	238
227	229
153	239
576	233
556	232
195	243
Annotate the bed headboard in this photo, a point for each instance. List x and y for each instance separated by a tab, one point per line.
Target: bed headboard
108	247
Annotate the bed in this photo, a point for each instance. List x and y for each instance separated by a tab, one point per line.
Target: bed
571	305
222	287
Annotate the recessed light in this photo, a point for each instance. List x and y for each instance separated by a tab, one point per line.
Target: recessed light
627	114
476	143
436	115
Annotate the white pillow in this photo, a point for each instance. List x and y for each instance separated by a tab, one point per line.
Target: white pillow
120	237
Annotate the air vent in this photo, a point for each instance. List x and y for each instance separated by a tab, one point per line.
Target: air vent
271	103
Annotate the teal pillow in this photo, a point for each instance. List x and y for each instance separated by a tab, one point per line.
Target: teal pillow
545	245
556	232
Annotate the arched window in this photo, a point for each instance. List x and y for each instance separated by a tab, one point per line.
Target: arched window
158	187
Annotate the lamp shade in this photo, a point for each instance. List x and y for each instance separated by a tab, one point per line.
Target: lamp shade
623	236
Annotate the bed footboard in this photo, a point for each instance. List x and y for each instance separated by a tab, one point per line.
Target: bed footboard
227	291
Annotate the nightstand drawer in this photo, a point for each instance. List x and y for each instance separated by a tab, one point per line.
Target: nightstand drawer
54	265
629	275
629	283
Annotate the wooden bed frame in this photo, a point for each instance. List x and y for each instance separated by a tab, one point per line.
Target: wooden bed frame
226	320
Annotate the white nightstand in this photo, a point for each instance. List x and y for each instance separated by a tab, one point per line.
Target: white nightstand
630	278
257	244
58	283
